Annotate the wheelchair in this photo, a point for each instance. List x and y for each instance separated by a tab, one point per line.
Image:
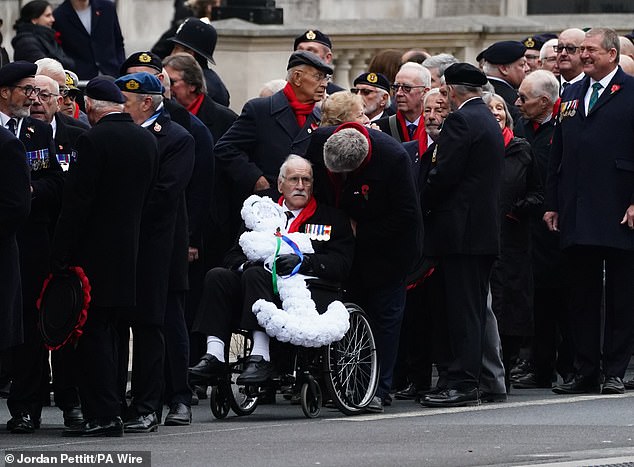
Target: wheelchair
347	369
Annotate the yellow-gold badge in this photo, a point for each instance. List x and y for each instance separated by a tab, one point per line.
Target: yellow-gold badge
145	58
372	78
529	43
132	85
310	35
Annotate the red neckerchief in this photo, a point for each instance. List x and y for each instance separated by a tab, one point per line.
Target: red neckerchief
303	216
301	110
336	178
194	107
418	134
508	135
556	107
76	111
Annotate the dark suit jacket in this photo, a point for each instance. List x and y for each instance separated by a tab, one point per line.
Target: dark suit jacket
164	231
15	203
260	140
591	171
101	51
66	135
216	89
217	118
381	197
105	192
461	196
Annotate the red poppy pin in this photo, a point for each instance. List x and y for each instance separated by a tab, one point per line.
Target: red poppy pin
615	88
365	189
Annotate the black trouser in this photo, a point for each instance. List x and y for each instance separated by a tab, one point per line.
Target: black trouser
64	368
176	351
587	266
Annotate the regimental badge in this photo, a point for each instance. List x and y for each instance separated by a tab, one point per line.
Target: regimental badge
310	35
529	43
157	127
372	78
132	85
318	232
69	80
145	58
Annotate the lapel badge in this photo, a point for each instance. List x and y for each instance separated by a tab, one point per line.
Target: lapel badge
433	155
157	127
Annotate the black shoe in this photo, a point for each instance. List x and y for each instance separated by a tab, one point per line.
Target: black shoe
579	385
387	400
408	393
629	384
257	371
97	427
22	424
73	416
531	381
451	398
493	396
207	368
201	391
179	415
142	424
613	385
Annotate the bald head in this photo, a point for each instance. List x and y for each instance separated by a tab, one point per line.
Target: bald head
627	48
627	64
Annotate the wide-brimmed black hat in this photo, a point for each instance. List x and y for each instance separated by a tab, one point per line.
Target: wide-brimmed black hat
63	307
197	35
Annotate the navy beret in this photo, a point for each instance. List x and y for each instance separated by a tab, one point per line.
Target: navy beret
378	80
303	57
103	89
504	52
313	35
537	41
13	72
465	74
147	59
140	83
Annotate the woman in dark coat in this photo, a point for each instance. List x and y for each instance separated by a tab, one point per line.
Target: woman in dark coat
35	37
512	275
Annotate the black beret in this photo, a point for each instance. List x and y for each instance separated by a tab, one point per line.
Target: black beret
465	74
303	57
140	83
147	59
102	89
504	52
378	80
197	35
313	35
13	72
536	42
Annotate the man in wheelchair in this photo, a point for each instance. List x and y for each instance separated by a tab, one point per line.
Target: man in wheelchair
230	292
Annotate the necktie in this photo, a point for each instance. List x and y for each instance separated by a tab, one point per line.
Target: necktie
594	97
564	85
289	216
12	125
411	129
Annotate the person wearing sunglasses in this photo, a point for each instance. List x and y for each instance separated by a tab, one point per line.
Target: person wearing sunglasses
374	88
569	58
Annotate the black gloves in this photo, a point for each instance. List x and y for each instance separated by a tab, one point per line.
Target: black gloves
285	264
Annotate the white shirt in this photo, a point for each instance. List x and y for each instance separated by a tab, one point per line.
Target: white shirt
604	83
4	118
579	77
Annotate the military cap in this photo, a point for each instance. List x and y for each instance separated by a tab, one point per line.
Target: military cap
71	80
303	57
378	80
313	35
197	35
537	41
147	59
504	52
13	72
140	83
465	74
102	89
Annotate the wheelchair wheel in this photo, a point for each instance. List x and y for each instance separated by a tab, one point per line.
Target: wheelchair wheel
311	398
241	400
220	400
352	367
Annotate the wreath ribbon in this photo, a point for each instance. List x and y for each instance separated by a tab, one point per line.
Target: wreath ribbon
295	270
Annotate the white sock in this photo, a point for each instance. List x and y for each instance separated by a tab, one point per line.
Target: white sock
216	347
261	345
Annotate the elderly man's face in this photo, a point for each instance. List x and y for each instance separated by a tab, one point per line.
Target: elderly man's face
296	185
516	72
136	107
374	98
531	104
568	56
47	101
410	92
180	90
312	84
20	97
435	112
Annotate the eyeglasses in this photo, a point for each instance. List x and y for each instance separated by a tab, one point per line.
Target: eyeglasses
319	75
296	180
363	92
64	91
405	87
46	96
28	90
571	49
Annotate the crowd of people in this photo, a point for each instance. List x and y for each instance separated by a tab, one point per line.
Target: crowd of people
481	214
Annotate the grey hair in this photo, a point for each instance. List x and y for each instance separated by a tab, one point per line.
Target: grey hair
544	84
487	97
100	106
51	68
292	158
192	72
610	40
440	61
156	99
549	43
431	92
424	75
345	150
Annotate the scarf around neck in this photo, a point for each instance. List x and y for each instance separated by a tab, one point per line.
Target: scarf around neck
301	111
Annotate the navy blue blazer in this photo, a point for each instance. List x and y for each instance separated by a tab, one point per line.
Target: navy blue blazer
591	168
101	51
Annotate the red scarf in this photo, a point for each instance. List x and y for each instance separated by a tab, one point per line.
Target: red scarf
337	179
194	107
303	216
419	134
508	135
302	111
